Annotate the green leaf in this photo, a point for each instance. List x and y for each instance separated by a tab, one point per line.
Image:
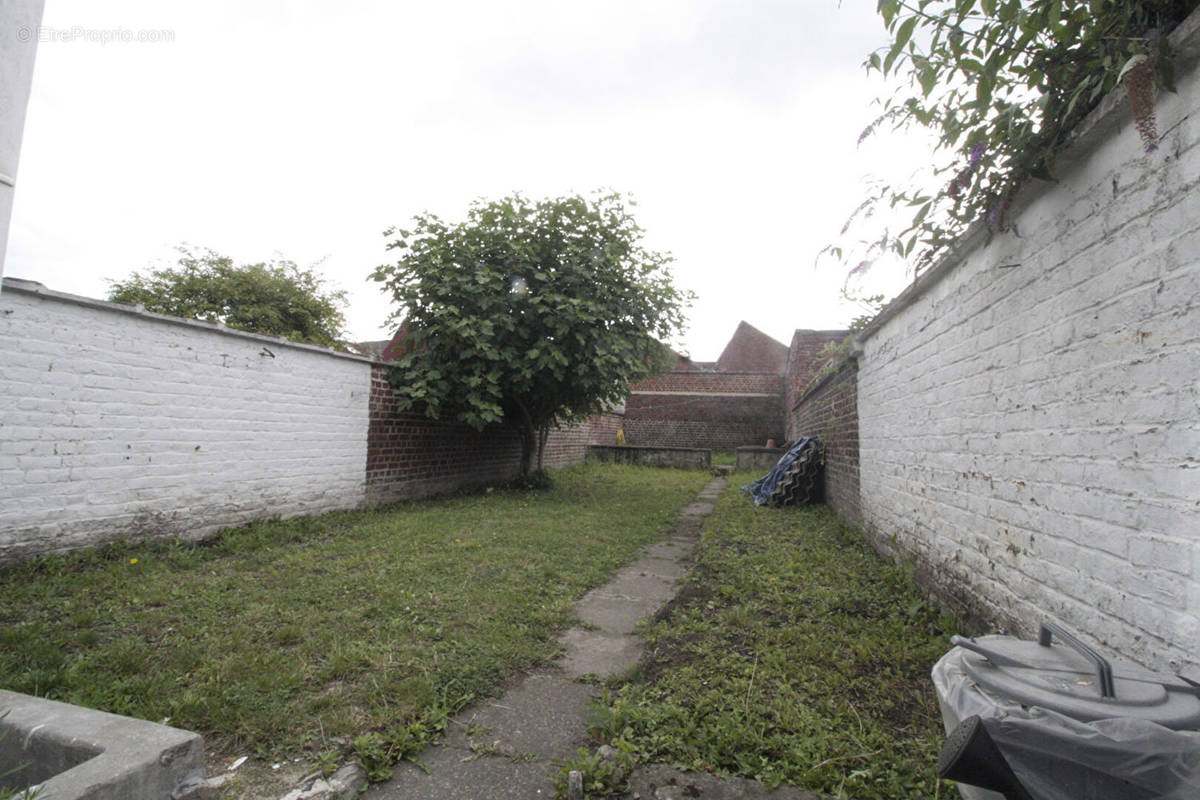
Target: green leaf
928	78
887	10
1132	63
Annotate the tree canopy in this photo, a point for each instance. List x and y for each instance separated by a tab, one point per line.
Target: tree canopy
276	297
530	313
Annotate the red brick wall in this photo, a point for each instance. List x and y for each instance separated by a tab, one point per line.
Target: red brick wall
410	455
830	411
715	422
568	445
605	427
739	382
809	352
711	409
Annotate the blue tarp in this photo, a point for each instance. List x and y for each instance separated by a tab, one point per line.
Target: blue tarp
761	489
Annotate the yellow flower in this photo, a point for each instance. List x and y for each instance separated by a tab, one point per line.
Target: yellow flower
133	561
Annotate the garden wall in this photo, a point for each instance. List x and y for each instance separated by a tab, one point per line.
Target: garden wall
669	457
1029	413
710	410
829	410
808	353
410	455
120	423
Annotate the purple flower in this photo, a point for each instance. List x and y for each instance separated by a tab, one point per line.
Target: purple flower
976	154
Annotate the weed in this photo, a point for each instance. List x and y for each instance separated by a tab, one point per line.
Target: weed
603	775
376	755
327	760
536	481
795	655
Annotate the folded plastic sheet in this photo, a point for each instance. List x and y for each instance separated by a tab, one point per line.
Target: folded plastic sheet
1059	758
761	489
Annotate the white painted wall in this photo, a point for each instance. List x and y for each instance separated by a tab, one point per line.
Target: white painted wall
115	422
1030	418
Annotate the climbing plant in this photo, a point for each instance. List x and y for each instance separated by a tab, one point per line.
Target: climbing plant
1002	85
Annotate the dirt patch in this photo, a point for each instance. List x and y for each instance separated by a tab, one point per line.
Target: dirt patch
257	779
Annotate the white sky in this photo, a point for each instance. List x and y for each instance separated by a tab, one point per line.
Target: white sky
304	129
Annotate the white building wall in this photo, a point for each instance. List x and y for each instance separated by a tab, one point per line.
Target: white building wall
1030	418
118	423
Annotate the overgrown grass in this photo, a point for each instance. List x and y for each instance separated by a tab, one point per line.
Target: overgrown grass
794	656
373	625
724	457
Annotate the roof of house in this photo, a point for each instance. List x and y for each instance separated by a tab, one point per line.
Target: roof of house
372	350
751	350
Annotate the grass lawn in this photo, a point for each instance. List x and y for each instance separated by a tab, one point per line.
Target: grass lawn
366	626
795	655
724	457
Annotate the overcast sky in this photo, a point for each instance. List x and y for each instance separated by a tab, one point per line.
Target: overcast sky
304	129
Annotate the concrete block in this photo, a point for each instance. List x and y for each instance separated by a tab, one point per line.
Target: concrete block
77	753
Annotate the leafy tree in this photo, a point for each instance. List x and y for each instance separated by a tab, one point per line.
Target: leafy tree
530	313
276	298
1003	84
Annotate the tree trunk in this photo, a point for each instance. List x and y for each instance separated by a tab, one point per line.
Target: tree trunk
543	434
529	441
528	447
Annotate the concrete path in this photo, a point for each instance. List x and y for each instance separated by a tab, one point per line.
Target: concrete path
506	748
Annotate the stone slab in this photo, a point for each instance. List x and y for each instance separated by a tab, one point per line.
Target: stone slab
616	614
670	549
670	569
659	782
696	509
639	581
598	653
545	716
453	773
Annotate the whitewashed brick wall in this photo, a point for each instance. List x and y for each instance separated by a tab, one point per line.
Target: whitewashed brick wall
1030	418
118	423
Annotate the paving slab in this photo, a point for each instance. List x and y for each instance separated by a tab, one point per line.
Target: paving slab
658	782
545	716
696	509
598	653
461	775
671	549
636	583
671	569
